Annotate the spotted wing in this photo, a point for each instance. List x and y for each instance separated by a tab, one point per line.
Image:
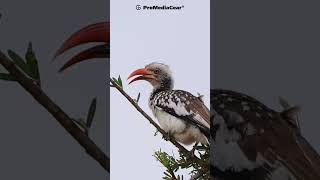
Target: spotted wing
185	106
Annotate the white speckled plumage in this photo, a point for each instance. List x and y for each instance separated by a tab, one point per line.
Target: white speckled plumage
182	130
180	114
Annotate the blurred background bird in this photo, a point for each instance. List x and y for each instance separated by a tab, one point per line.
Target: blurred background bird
252	141
98	33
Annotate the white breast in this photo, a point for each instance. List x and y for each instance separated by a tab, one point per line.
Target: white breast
168	122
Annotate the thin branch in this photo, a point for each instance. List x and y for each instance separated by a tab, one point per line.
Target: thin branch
178	145
91	148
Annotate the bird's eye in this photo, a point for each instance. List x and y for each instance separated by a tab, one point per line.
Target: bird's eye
156	71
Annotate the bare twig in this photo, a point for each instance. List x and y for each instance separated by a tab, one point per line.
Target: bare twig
178	145
91	148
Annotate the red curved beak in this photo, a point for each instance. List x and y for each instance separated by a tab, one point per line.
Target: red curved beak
142	74
98	33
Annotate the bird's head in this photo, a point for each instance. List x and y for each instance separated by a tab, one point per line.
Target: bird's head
157	74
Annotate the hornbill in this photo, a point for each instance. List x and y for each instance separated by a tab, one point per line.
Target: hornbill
251	141
94	33
180	114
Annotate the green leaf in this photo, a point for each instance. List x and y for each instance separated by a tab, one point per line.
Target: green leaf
115	80
91	112
156	133
138	98
7	77
32	64
119	81
167	174
18	61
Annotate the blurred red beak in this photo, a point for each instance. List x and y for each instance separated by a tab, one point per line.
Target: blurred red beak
99	33
142	74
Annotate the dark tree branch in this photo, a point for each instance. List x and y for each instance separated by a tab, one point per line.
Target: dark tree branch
91	148
183	150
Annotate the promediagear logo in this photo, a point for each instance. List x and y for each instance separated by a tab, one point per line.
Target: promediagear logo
159	7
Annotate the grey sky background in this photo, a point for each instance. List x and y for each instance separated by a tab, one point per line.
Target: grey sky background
33	144
180	39
269	49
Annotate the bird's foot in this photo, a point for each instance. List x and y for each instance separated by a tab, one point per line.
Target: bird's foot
194	148
168	136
